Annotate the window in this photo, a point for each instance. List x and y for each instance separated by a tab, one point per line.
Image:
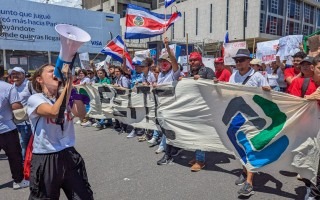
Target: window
262	23
294	9
307	30
197	21
318	17
184	24
308	14
276	7
245	13
172	31
274	26
292	28
227	16
263	5
210	18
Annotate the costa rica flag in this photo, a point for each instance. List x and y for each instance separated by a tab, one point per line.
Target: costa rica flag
142	23
168	2
115	48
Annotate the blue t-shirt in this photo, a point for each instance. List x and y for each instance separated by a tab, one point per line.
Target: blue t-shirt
8	96
135	78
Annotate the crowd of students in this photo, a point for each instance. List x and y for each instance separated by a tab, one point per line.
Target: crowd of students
55	162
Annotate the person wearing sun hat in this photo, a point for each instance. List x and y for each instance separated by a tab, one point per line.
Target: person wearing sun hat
245	75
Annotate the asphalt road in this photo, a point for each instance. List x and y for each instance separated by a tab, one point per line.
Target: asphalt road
125	169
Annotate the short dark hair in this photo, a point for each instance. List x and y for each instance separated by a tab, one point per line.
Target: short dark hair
112	66
300	54
316	60
83	71
1	71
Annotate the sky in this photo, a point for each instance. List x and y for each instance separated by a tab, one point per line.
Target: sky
68	3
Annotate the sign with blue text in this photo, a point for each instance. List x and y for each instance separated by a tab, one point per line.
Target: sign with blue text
30	26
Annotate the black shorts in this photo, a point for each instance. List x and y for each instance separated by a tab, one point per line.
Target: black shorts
64	169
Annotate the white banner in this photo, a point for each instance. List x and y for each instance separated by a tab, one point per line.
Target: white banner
230	50
262	128
30	26
266	51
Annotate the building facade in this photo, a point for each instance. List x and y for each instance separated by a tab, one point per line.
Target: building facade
204	23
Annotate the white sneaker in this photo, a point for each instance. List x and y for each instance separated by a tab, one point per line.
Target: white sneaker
86	124
132	134
152	141
22	184
95	124
159	150
78	122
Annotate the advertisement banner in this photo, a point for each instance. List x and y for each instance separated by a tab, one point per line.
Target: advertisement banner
31	26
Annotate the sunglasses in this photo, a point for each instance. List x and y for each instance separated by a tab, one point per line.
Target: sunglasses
240	60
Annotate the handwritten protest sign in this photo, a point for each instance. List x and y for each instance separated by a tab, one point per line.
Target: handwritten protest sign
84	60
289	45
230	50
266	51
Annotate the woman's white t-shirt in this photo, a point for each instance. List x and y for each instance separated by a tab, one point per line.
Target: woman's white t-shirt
85	80
48	136
149	78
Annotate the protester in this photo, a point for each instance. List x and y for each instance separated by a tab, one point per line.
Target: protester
305	85
246	76
273	77
148	77
292	73
222	74
135	78
102	77
25	90
169	72
55	162
111	73
9	138
83	76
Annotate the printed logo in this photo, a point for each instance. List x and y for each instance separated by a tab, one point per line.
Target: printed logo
138	21
260	149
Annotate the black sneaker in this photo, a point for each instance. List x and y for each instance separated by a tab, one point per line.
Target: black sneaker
165	160
246	190
242	179
177	152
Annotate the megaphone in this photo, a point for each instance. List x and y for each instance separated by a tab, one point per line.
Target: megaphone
71	38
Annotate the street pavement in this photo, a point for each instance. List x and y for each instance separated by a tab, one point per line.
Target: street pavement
125	169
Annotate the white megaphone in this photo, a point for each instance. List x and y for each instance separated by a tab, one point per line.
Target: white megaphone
71	38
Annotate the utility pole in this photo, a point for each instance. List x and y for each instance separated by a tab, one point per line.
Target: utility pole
244	20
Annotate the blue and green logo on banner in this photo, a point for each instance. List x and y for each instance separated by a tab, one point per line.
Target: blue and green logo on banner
258	150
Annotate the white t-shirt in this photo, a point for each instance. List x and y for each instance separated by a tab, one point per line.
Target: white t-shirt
85	80
149	78
123	81
48	136
168	77
24	92
256	79
8	96
273	80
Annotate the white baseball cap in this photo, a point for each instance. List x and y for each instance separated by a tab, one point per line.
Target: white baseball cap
18	69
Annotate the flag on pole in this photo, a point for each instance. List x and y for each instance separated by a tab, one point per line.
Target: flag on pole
115	48
226	37
142	23
225	41
168	2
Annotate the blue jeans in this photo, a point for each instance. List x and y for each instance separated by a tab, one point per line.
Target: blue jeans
25	134
102	122
155	134
163	143
200	156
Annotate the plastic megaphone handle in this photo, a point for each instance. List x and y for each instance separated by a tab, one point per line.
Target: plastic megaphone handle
59	65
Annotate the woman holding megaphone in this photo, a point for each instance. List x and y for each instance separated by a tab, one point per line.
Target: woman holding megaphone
55	163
